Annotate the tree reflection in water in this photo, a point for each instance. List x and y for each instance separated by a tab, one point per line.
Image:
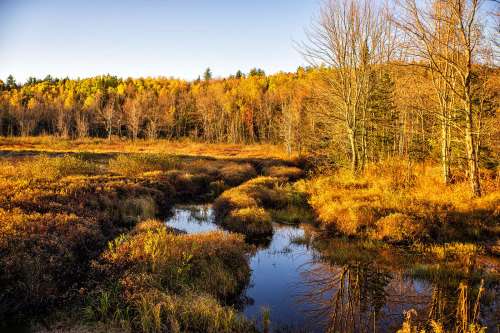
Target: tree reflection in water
341	298
363	297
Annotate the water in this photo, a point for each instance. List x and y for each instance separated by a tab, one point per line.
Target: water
193	219
310	290
275	269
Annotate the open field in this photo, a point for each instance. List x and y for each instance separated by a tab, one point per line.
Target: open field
50	144
83	240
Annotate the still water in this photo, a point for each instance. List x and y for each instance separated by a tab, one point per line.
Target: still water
308	290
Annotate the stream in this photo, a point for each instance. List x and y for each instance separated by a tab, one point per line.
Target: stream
306	290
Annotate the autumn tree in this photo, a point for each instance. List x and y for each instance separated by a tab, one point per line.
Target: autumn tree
448	36
346	39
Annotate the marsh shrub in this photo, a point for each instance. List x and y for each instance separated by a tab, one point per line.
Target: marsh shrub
134	164
292	173
140	208
400	227
231	173
41	256
399	202
215	262
243	208
190	312
148	225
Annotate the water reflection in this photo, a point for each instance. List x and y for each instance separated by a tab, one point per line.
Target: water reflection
193	219
345	298
361	296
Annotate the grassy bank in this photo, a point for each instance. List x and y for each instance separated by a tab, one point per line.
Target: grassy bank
251	207
397	203
157	281
82	232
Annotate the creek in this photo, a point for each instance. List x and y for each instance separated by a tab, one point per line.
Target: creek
343	288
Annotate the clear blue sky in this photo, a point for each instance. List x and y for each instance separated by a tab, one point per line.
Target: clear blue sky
178	38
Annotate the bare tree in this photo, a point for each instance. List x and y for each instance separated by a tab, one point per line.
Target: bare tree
447	35
349	38
133	116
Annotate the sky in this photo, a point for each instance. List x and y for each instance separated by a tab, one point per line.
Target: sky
178	38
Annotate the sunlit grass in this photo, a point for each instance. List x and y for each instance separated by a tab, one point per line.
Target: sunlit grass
122	145
250	207
172	283
395	203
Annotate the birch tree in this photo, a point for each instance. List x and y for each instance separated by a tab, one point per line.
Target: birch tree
450	52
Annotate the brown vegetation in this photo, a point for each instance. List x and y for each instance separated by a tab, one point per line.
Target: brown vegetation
250	207
58	212
154	278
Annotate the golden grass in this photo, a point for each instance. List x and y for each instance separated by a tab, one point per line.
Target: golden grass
57	212
249	221
393	202
172	283
250	207
135	164
281	171
117	145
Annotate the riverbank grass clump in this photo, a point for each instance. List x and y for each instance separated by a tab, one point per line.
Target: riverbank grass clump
282	171
157	277
251	207
249	220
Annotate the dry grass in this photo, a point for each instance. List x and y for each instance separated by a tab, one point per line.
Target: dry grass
57	212
134	164
249	221
183	147
161	276
281	171
250	207
395	203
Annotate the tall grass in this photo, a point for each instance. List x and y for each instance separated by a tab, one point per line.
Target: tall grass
394	203
251	207
467	313
173	283
43	167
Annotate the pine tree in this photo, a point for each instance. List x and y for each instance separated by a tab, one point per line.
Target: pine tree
10	82
207	75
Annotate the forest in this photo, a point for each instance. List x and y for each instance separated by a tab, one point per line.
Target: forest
372	174
401	114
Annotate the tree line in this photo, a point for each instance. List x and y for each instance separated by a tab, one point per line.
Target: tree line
417	80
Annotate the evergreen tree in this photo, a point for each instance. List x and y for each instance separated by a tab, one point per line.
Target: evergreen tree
10	82
207	75
256	72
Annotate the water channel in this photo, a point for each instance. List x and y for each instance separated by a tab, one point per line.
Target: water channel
308	290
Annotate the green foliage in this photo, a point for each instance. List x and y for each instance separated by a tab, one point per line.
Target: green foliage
207	75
